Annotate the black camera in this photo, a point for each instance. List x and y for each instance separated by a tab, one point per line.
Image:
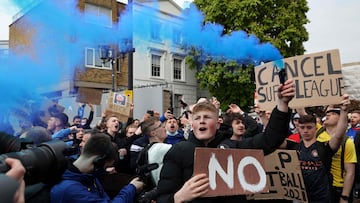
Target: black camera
149	192
45	163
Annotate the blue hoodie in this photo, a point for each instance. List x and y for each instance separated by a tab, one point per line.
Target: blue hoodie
78	187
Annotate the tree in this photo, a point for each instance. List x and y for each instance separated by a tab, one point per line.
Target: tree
276	21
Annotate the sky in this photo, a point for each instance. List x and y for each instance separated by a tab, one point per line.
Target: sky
333	25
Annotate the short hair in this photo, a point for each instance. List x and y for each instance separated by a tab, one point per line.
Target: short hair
229	118
63	118
130	126
135	120
106	119
171	118
356	111
146	125
100	144
307	119
205	106
76	117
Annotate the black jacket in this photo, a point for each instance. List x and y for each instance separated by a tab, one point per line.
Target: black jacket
179	161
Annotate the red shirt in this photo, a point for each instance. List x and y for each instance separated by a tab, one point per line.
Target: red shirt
295	137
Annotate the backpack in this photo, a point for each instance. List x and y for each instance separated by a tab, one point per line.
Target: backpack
143	170
342	156
325	160
357	149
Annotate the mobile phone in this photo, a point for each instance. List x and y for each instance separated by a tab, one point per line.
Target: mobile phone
171	110
150	112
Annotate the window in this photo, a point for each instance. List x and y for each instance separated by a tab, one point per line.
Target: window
155	65
92	59
177	69
155	31
98	15
176	37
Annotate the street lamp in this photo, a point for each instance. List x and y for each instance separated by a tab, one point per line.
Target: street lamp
106	54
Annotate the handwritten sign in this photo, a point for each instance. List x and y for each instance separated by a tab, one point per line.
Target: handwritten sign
231	171
284	177
318	80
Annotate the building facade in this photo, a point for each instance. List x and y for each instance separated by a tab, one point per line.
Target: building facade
156	61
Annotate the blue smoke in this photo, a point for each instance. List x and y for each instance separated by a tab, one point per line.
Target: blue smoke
59	32
237	46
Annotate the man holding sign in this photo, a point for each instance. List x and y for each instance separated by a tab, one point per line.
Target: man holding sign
316	156
177	181
317	77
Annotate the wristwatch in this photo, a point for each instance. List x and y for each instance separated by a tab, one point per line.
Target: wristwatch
344	197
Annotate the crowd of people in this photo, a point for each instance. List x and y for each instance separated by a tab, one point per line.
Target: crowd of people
152	159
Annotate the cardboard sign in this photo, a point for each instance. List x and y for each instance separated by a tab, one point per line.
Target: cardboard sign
284	177
89	96
118	104
317	77
231	171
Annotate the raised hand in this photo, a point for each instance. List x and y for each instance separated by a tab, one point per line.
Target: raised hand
195	187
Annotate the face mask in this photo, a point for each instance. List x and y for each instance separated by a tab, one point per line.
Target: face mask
171	134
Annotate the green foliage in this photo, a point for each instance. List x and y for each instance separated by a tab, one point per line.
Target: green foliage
276	21
228	82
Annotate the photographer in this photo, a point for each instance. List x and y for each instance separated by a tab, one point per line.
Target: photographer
80	181
44	162
14	181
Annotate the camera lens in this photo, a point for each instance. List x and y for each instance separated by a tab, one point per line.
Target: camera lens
45	163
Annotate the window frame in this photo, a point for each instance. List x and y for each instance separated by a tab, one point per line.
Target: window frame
95	53
177	37
182	68
155	34
161	54
99	12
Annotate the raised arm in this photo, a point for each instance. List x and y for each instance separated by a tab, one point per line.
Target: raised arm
277	128
286	93
91	115
338	135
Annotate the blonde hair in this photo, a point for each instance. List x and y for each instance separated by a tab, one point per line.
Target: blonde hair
205	106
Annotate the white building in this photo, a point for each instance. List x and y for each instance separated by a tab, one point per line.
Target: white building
159	59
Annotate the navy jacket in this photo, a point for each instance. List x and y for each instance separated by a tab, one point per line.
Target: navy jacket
78	187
